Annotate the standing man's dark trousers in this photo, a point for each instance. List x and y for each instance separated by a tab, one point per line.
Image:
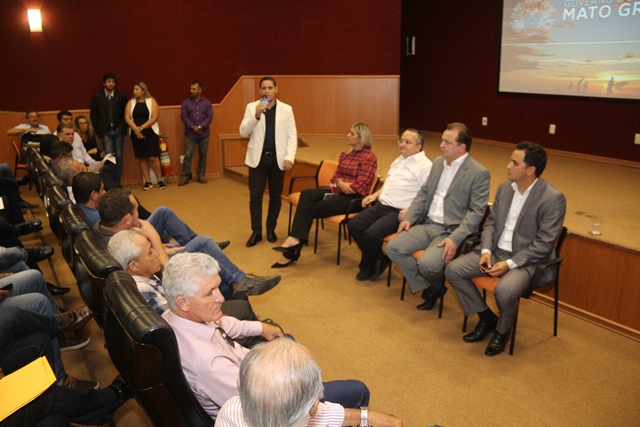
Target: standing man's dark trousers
369	228
267	170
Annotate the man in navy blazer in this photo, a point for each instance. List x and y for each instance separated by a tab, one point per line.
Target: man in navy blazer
271	151
448	207
525	222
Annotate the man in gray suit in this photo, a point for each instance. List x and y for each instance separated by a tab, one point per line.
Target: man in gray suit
526	219
448	208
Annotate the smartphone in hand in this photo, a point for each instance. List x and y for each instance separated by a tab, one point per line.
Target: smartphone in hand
484	267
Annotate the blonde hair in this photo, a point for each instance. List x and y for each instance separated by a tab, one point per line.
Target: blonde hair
364	134
143	86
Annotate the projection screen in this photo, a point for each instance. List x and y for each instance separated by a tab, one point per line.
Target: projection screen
585	48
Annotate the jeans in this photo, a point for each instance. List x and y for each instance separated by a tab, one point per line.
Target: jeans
190	143
348	393
26	336
168	225
13	258
229	272
113	144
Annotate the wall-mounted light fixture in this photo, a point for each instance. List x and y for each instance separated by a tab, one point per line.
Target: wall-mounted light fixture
35	20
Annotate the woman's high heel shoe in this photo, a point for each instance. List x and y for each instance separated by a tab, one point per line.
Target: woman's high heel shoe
278	265
290	248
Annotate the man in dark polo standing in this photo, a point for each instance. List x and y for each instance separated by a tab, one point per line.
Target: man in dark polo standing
196	114
107	116
271	151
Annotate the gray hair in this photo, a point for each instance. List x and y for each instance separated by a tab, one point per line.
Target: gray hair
123	247
279	384
65	169
182	275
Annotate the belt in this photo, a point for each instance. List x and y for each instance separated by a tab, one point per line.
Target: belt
268	153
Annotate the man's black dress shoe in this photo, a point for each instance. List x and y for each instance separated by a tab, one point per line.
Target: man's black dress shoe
380	267
364	275
255	238
26	205
55	290
481	330
29	227
123	393
271	236
497	344
39	253
23	180
223	245
431	298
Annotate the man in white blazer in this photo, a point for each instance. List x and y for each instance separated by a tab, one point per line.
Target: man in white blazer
526	219
271	151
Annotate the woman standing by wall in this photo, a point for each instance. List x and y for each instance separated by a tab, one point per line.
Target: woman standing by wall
141	115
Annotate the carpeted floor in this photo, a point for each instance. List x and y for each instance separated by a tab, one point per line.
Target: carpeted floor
416	365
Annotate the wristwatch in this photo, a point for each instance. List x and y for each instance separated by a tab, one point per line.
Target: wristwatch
364	416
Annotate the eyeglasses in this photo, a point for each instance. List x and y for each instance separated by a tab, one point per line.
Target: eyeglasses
226	337
82	123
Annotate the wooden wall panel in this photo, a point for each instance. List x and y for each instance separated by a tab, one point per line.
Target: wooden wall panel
601	279
322	105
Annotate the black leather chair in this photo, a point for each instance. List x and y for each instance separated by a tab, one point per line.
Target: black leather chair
72	223
143	348
94	266
57	198
41	167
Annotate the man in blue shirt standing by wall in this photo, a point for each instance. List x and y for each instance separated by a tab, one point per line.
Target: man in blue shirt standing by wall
196	114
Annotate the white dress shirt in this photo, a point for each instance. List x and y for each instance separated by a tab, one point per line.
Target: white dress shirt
436	210
405	177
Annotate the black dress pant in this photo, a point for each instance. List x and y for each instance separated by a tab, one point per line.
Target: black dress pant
314	205
267	170
369	228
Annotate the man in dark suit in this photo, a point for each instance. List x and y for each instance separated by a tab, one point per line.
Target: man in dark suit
107	116
526	219
448	208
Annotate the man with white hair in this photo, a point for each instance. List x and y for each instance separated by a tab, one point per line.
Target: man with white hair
209	355
281	385
138	257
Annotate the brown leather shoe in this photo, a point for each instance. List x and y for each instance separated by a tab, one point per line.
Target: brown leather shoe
75	319
202	180
73	382
183	181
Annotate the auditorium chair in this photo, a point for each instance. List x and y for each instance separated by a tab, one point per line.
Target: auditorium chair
355	206
143	348
72	223
18	164
57	198
323	175
488	283
94	266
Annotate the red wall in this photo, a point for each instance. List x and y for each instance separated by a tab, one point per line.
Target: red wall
454	77
167	44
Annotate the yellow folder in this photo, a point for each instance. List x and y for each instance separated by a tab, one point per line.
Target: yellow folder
24	385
